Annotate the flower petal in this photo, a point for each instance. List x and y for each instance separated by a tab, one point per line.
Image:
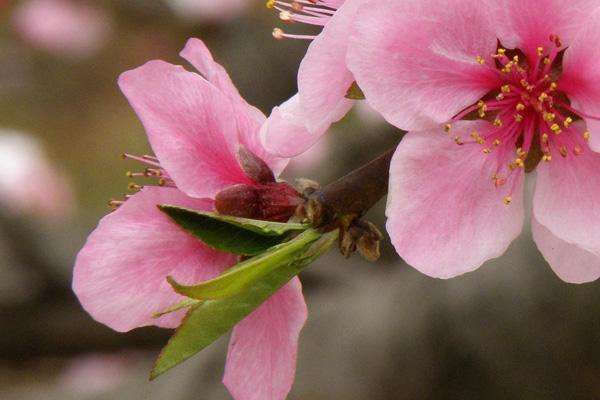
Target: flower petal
570	262
530	23
261	362
323	78
415	60
285	133
249	118
580	78
190	125
445	216
119	275
566	199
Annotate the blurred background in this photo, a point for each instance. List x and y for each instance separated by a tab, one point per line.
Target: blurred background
379	331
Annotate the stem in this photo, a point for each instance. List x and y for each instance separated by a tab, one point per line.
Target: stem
353	194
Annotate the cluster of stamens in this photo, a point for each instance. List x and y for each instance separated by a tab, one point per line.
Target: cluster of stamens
152	170
310	12
532	120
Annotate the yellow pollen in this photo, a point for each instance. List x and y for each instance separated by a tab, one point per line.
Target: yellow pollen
568	121
545	138
547	158
505	89
519	163
556	129
497	142
546	60
507	200
501	51
553	86
543	97
480	60
498	122
487	151
521	153
549	116
447	128
508	67
518	117
540	51
516	59
270	3
587	135
458	140
520	107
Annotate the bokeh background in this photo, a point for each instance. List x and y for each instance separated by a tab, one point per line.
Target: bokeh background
379	331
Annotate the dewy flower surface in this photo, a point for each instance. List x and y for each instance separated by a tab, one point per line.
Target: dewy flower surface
196	126
323	78
489	90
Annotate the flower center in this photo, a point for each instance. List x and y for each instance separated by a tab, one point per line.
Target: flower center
310	12
532	119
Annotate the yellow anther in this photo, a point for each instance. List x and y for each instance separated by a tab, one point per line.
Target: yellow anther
519	163
546	60
547	158
521	153
549	116
498	122
458	140
516	59
270	3
505	88
545	138
501	51
556	129
447	128
487	151
568	121
500	97
520	107
507	200
480	60
519	117
543	97
540	51
587	135
553	86
508	67
497	142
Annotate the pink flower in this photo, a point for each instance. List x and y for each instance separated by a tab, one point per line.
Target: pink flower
196	126
62	27
29	183
209	10
430	66
323	78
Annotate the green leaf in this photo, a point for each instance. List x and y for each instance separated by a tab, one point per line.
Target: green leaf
234	235
355	92
238	277
208	320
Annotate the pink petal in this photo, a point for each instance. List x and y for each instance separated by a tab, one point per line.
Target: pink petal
120	273
261	362
570	262
285	133
415	60
323	78
248	117
445	216
191	126
531	22
566	199
581	75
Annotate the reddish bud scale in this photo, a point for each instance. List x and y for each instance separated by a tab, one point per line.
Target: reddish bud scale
271	202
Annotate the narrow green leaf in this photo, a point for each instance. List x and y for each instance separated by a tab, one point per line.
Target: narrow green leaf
355	92
208	320
237	278
176	307
233	235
